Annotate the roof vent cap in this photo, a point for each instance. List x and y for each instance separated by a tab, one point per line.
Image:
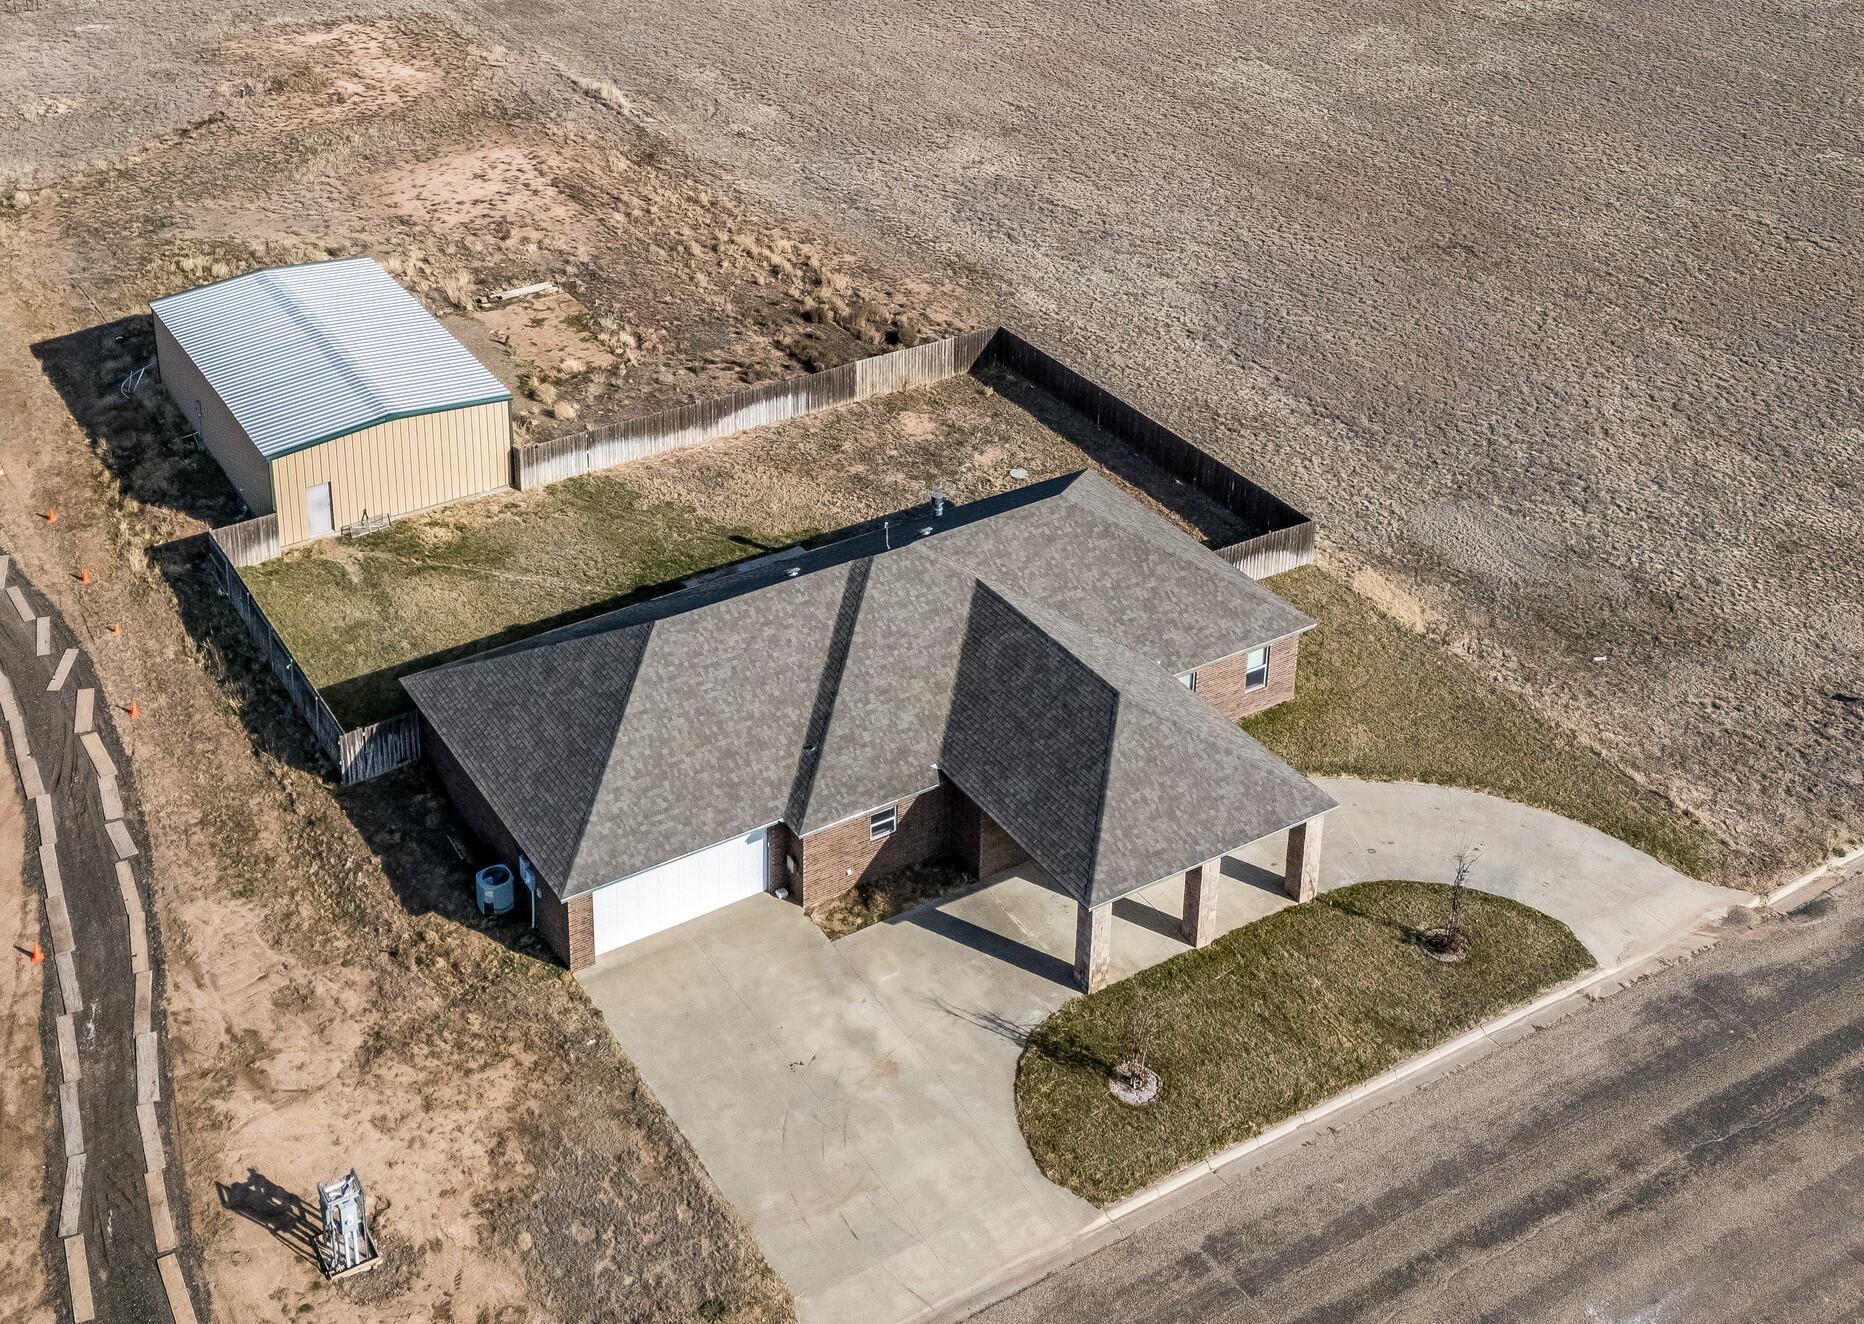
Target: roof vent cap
938	505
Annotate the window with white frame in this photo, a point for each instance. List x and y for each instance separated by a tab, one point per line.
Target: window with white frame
881	822
1256	668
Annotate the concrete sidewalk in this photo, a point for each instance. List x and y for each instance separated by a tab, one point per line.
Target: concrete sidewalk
854	1099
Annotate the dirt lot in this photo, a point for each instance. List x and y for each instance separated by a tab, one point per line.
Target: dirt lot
1542	307
1549	309
332	1000
358	614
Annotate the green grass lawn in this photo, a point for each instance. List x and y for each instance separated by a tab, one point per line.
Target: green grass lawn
1375	700
1269	1020
359	614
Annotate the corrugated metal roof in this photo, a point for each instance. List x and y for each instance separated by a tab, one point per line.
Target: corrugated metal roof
306	354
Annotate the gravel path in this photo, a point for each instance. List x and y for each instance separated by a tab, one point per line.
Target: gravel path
111	1176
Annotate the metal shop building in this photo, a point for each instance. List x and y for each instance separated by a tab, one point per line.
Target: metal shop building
330	396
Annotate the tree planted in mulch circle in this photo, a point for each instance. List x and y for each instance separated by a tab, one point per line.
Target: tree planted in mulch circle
1267	1021
1132	1080
1449	941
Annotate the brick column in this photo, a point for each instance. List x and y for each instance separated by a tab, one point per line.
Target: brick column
1200	903
1301	874
1093	942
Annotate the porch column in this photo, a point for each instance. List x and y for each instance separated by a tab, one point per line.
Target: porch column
1093	942
1200	903
1301	874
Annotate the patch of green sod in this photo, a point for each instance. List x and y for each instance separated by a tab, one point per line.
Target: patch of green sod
1269	1020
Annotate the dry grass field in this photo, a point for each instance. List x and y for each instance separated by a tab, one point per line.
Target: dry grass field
1548	309
358	614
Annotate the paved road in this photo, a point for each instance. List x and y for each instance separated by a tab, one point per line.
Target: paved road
1691	1150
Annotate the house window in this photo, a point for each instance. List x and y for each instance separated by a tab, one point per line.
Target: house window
1189	681
882	822
1256	668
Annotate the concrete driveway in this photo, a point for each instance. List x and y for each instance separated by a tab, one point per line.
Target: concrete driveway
853	1099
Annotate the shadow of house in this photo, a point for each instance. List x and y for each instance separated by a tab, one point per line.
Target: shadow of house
1254	875
1010	951
1147	916
429	855
140	437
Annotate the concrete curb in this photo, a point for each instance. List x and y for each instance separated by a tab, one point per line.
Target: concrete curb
1827	871
1120	1220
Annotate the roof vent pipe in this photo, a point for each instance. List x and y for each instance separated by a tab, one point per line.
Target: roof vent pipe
938	505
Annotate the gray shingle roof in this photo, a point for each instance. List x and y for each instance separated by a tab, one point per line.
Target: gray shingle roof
304	354
1026	647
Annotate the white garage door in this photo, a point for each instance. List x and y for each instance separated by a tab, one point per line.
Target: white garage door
679	890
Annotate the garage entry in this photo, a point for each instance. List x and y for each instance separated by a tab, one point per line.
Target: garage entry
679	890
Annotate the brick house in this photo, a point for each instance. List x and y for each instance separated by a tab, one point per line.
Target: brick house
1052	676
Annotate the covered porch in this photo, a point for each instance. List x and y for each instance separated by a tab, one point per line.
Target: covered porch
1198	900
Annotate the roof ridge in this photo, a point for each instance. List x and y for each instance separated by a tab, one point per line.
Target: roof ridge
287	300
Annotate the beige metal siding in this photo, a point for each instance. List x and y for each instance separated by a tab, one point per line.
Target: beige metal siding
398	467
225	440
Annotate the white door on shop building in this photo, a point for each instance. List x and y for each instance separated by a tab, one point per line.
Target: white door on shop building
317	510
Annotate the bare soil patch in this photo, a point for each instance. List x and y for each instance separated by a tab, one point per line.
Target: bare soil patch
1548	311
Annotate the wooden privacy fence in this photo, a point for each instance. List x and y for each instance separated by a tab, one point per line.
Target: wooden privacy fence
1272	552
250	542
1285	538
755	406
366	752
